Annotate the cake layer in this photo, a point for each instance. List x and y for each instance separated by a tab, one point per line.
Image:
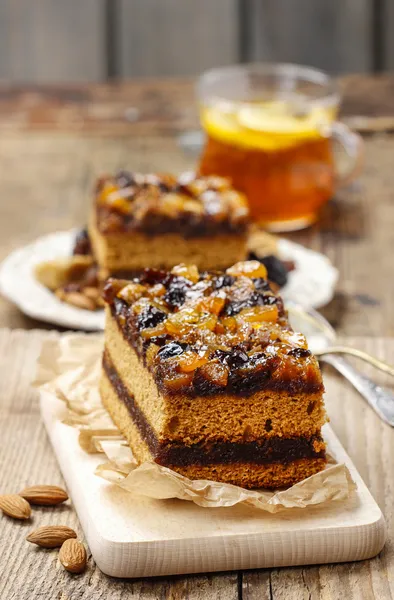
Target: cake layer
172	453
134	251
215	462
192	420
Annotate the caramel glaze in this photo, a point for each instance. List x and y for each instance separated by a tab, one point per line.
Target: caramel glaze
212	333
175	454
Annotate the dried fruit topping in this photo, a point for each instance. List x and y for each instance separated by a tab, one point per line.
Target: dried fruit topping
200	205
248	268
209	332
187	271
132	292
259	314
190	361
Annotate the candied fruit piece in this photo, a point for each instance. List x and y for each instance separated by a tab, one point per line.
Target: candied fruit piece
190	361
155	332
230	323
193	206
132	292
121	205
208	321
248	268
157	290
172	204
108	188
214	372
259	313
189	272
112	287
177	381
213	304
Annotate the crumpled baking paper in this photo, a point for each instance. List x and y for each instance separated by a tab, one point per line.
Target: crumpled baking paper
69	369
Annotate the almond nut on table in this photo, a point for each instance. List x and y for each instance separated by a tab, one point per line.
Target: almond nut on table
44	495
15	506
51	536
72	556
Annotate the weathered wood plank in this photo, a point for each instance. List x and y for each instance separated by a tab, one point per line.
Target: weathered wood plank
175	37
51	40
334	35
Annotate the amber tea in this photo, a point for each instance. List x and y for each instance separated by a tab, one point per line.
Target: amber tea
269	129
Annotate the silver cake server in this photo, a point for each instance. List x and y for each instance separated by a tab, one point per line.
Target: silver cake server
322	342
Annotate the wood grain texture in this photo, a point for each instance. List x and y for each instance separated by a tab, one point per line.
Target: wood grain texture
175	37
51	40
26	458
334	35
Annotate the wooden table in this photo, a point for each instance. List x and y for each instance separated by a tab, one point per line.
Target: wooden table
53	143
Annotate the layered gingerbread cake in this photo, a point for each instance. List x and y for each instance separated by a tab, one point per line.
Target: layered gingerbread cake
203	374
160	221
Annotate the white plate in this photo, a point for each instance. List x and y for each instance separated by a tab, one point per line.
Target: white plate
311	284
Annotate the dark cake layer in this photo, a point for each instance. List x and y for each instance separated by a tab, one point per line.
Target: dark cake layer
167	453
157	204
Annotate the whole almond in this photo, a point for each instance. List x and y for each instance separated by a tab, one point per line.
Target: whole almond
79	300
15	506
91	292
45	495
51	536
73	556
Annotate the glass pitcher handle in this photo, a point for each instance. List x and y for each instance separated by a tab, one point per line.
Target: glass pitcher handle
353	145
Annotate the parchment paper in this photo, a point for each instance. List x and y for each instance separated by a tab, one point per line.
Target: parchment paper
69	369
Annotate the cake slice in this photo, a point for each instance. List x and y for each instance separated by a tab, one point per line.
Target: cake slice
158	221
203	374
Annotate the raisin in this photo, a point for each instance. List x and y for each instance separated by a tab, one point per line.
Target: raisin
82	243
171	349
276	270
236	357
159	340
223	281
125	179
150	317
153	276
262	285
175	297
299	353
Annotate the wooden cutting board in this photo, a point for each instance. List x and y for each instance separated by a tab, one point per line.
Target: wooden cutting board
133	536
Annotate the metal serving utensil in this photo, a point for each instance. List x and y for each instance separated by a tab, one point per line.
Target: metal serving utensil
322	342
